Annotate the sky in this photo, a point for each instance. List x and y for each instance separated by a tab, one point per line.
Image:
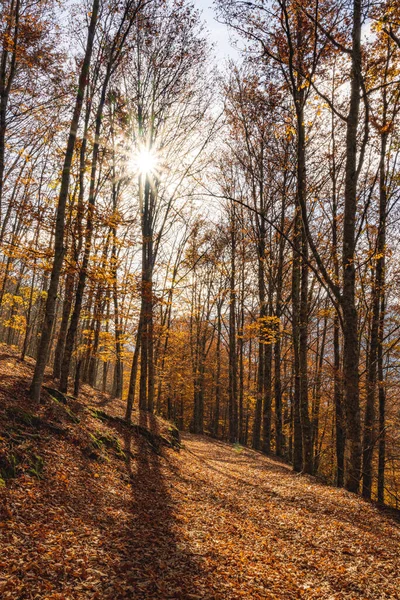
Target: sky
219	33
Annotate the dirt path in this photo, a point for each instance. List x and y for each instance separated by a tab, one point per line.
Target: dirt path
212	522
262	532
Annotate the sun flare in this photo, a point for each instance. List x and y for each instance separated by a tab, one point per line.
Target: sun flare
145	161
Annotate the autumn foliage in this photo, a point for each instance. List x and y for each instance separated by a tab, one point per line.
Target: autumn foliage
211	246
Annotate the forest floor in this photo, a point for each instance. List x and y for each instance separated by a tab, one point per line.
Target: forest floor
93	510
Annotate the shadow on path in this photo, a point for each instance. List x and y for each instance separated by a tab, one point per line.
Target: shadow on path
156	563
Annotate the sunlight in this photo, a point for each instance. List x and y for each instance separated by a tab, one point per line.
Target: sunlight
145	161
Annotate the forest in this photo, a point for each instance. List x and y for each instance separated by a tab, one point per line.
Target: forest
208	243
219	248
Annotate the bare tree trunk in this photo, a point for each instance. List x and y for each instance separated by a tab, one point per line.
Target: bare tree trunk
306	429
338	381
59	249
267	391
28	317
241	349
70	341
6	79
382	408
297	445
218	373
147	302
132	381
70	278
118	381
62	334
256	441
233	412
317	397
279	442
349	309
377	294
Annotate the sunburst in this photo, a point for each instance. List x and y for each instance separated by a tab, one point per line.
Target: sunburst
145	161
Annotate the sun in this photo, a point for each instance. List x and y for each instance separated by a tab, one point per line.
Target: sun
145	161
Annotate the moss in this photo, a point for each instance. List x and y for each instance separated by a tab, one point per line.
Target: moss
237	448
36	466
96	441
9	465
100	441
72	416
175	437
14	413
97	414
19	461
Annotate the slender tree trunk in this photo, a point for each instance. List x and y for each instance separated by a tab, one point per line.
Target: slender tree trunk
256	441
279	442
29	315
349	309
267	391
301	201
70	278
167	324
317	398
71	335
66	310
340	436
218	372
6	80
297	445
132	381
151	370
338	399
241	355
114	269
233	412
377	294
382	408
59	249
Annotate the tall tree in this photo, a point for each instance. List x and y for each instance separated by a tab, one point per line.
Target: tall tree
59	249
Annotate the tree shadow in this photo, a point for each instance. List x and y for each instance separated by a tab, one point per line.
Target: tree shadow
156	562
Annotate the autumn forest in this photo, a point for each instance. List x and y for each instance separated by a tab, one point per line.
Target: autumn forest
200	253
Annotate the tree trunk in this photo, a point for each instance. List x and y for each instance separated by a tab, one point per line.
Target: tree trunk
377	293
297	444
382	408
256	441
218	373
233	412
59	249
62	334
11	33
349	309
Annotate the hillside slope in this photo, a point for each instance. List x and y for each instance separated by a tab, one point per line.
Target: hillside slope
97	510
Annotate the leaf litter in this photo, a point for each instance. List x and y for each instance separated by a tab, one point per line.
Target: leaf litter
212	521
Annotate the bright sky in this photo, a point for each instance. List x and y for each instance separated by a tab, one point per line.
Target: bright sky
219	34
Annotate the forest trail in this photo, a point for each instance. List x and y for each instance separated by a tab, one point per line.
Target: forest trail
210	522
265	532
